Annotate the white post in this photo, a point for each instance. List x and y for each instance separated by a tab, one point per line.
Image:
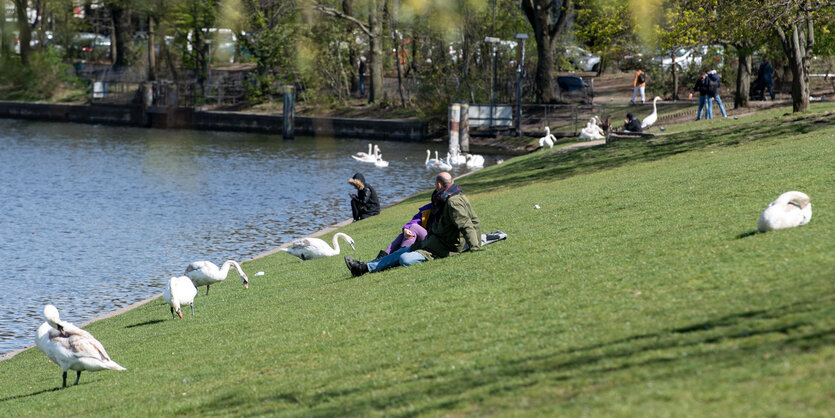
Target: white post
454	121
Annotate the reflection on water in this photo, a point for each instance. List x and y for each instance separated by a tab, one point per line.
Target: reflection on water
98	217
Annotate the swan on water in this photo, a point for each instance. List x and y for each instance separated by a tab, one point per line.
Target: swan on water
789	210
206	273
310	248
179	291
371	157
379	162
436	162
549	139
475	161
365	154
71	347
456	158
650	120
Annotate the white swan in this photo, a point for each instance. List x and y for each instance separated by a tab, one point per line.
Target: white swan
206	273
790	209
650	120
456	158
371	157
436	162
549	139
310	248
179	291
592	130
71	347
379	162
475	161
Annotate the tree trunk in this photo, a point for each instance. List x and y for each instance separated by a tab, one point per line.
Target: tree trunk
348	9
152	58
538	14
743	77
797	44
25	32
121	35
375	23
674	70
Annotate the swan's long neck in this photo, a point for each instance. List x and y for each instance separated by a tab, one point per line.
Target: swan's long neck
225	269
801	198
654	109
427	156
369	148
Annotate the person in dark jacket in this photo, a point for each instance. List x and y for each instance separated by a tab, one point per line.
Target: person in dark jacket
705	103
456	229
713	86
631	123
766	77
365	203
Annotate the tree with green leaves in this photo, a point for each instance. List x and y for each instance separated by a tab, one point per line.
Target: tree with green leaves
605	26
679	27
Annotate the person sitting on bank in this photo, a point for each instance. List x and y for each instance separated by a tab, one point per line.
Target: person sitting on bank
414	230
457	227
631	123
365	203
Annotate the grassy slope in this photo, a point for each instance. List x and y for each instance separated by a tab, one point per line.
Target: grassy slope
637	289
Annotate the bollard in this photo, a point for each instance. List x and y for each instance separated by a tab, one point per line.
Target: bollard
289	111
464	128
454	122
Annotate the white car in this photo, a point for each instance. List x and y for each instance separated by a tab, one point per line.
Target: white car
685	57
582	59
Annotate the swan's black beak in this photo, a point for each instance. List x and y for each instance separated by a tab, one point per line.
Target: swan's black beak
246	282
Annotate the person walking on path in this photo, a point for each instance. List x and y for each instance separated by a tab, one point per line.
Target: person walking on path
457	229
702	87
363	72
766	76
639	85
365	202
713	78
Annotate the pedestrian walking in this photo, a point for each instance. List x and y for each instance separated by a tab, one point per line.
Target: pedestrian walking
363	72
713	77
705	103
639	85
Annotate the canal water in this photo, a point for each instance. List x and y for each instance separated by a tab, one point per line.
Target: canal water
98	217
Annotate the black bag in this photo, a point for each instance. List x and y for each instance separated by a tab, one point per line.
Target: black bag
642	78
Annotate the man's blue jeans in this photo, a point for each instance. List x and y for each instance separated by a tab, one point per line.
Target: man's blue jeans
706	104
401	257
721	107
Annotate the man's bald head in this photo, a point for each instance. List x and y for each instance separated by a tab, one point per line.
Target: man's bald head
444	179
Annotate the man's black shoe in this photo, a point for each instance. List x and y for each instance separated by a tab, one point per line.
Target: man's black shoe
381	254
357	268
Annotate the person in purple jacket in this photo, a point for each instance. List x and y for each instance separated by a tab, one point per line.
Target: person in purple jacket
414	230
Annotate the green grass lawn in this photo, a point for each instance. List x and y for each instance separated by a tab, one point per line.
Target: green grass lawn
636	289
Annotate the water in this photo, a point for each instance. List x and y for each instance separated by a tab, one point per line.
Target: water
97	217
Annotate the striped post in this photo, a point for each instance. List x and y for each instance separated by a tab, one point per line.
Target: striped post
289	112
464	128
454	123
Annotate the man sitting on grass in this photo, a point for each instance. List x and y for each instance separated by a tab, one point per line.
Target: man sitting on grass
457	226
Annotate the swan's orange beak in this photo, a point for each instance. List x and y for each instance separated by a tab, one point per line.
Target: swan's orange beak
352	246
246	285
180	313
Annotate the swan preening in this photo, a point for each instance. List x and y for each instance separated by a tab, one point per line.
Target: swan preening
650	120
549	139
71	347
180	291
206	273
436	162
790	209
592	130
475	161
310	248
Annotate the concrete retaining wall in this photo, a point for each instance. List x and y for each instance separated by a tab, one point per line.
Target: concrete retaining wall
184	118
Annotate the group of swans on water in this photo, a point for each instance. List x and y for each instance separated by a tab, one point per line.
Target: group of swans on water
455	158
374	157
594	128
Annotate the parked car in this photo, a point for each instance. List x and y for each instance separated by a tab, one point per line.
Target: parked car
582	59
685	57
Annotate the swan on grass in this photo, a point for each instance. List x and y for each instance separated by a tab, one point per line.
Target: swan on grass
549	139
310	248
436	162
650	120
789	210
71	347
206	273
179	291
592	131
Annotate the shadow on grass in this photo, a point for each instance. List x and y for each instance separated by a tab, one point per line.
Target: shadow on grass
665	354
554	165
11	398
747	234
142	324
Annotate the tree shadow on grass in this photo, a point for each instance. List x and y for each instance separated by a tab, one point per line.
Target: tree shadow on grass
555	165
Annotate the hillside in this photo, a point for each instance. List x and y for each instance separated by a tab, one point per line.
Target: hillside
637	288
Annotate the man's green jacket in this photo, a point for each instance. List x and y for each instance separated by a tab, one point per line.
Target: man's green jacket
457	225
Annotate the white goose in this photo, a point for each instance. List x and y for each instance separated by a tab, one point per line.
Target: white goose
592	131
71	347
370	157
436	162
180	291
475	161
310	248
790	209
549	139
650	120
206	273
